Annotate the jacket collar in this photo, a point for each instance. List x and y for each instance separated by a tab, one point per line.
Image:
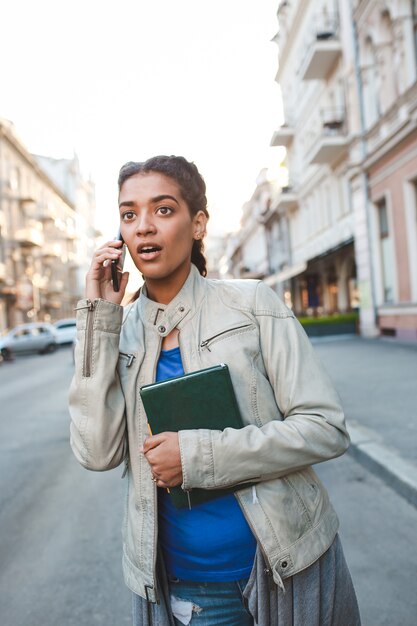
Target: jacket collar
162	318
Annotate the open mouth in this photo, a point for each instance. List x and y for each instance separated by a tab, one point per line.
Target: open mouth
149	251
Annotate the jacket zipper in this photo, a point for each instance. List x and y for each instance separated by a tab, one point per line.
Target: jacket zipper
88	346
130	358
187	491
268	569
155	501
231	331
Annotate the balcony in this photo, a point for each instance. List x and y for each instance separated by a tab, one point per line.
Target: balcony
332	143
29	237
283	136
287	200
323	52
2	271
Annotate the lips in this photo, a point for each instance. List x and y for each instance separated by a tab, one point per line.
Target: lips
149	251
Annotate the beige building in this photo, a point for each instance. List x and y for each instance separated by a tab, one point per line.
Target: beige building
42	239
321	275
248	252
347	72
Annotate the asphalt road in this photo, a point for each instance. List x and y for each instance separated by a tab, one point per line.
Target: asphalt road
60	542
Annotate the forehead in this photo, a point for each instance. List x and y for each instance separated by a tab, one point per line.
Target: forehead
149	185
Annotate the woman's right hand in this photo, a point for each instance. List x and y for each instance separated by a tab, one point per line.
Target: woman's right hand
98	279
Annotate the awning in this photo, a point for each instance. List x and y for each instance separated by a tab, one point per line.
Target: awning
289	272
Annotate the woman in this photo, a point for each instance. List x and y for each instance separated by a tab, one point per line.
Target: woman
268	554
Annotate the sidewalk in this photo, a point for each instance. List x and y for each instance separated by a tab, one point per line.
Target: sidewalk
377	381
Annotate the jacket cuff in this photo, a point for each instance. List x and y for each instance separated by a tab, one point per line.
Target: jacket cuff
196	458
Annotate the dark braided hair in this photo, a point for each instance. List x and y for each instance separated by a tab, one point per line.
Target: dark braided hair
192	187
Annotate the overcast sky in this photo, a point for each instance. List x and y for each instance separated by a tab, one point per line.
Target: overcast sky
125	80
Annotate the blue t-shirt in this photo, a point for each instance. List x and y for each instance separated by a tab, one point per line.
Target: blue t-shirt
212	542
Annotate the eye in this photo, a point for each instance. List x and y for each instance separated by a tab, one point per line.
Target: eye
164	210
128	215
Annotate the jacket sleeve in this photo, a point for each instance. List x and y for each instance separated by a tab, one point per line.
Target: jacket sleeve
96	401
313	427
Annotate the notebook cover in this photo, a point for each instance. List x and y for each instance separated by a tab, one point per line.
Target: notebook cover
201	399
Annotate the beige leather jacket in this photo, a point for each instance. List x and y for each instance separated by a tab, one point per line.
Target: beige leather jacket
291	412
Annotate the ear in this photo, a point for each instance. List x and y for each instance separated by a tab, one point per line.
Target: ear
199	225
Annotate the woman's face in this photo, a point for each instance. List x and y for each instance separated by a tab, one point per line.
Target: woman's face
157	227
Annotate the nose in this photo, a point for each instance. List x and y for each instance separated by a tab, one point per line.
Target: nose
144	224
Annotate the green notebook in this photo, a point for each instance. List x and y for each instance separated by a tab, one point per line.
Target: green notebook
201	399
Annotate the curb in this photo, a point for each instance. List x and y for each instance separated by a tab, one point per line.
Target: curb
386	463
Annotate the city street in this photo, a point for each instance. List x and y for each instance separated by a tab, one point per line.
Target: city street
60	541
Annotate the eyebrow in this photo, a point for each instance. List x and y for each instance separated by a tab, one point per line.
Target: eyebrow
165	196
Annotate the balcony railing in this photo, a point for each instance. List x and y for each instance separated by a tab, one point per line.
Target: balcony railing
332	143
323	51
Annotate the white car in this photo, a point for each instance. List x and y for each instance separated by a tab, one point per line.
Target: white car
66	330
33	337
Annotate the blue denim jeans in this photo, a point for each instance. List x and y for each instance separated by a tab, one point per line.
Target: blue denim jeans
209	604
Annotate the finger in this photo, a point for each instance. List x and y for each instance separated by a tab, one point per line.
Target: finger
152	442
105	253
114	243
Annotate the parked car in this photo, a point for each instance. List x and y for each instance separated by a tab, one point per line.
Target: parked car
33	337
66	330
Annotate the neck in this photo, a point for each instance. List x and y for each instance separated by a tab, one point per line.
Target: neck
165	290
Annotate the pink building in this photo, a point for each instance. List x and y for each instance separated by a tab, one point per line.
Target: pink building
393	192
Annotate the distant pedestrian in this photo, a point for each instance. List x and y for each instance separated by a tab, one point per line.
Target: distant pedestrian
267	554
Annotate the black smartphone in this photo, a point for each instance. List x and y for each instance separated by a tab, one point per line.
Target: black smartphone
117	265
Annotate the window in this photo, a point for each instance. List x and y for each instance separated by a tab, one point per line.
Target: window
386	252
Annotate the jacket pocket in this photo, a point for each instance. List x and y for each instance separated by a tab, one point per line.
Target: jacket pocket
225	334
309	491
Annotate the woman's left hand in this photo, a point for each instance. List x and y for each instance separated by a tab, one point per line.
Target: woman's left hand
163	455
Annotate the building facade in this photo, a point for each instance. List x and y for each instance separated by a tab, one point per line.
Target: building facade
343	230
385	185
42	239
321	277
249	253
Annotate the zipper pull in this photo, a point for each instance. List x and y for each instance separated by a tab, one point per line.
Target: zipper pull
130	359
204	344
89	306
